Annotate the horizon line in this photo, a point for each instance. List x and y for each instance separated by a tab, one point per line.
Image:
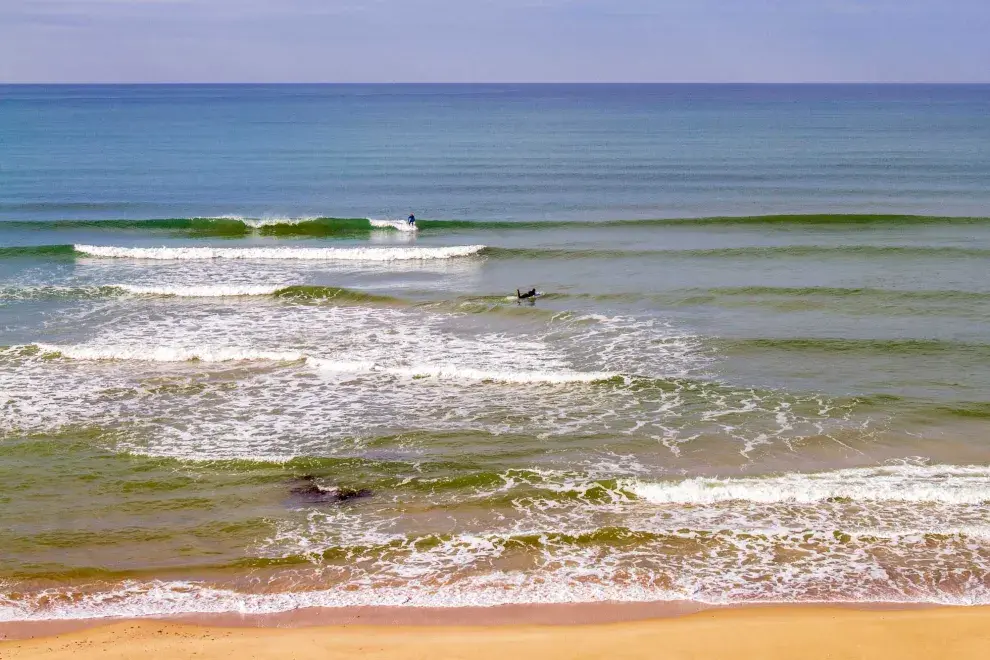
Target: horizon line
501	82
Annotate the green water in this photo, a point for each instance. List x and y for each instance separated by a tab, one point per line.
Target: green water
756	370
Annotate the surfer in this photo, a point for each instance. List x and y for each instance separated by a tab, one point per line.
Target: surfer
529	294
411	220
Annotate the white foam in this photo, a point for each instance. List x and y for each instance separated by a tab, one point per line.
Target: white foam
160	598
167	353
229	354
398	225
367	359
456	372
269	221
900	483
205	291
453	372
592	581
283	253
265	221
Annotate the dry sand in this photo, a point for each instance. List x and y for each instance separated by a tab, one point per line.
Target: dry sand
748	633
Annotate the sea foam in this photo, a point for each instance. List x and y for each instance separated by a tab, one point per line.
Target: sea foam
398	225
899	483
456	372
283	253
168	354
230	354
204	291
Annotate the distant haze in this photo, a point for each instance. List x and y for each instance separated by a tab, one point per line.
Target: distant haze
494	40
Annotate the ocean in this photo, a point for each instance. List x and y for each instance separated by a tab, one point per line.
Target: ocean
233	380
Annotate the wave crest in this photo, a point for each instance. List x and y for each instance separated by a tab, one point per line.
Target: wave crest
282	253
166	354
901	483
232	354
205	291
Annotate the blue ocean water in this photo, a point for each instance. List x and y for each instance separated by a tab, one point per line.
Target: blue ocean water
233	379
488	152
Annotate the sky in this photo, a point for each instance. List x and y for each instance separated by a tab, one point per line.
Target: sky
494	40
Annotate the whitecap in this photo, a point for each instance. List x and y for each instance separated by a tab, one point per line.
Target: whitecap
283	253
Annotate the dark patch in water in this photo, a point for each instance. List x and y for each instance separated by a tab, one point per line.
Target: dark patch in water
307	491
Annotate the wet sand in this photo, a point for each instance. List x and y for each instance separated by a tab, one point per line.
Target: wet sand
758	633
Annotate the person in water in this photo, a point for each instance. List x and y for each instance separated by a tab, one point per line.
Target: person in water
529	294
412	220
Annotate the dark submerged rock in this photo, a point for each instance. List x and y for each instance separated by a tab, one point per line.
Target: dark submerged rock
307	491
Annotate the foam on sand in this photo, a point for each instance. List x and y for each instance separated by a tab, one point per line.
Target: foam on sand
282	253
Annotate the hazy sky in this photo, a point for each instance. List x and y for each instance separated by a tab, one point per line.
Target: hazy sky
494	40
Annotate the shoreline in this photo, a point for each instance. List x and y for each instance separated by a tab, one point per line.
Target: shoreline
757	632
540	614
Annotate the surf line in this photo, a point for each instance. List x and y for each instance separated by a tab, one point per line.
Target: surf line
283	253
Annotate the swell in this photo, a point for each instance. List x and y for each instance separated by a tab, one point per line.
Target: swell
314	292
826	219
221	226
909	251
892	347
299	292
840	292
49	251
815	219
855	301
413	253
695	296
967	409
339	226
877	299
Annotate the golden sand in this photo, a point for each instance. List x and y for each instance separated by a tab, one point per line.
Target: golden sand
750	633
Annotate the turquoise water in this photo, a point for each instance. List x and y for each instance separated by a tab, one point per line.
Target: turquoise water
233	380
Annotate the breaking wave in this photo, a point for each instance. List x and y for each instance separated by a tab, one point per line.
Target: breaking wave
229	354
205	291
398	225
290	292
453	372
313	225
429	253
166	354
283	253
902	483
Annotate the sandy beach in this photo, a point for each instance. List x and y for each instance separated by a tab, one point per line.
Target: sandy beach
764	633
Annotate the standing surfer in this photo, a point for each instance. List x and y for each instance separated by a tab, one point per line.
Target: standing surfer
412	220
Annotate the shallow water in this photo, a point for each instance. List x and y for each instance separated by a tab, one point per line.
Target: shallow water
282	408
